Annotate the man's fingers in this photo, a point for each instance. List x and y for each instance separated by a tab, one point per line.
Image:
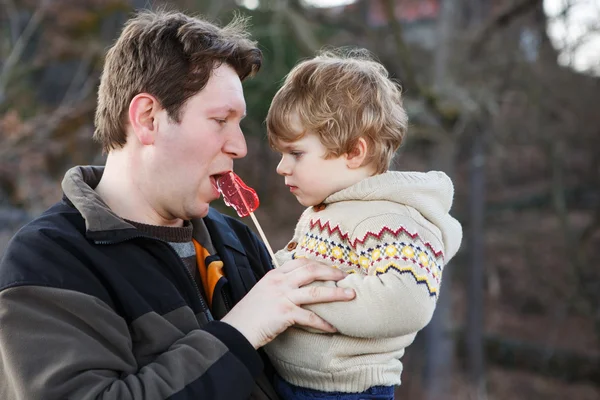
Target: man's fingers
312	320
311	272
320	294
292	265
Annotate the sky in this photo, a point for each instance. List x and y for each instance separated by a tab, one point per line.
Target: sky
576	31
328	3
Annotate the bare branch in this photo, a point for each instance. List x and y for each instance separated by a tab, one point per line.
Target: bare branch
512	353
401	48
302	31
275	28
13	20
498	21
19	47
589	231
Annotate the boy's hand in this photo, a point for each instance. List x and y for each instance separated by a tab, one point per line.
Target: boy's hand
274	303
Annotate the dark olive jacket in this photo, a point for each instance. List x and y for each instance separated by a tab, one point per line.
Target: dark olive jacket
90	308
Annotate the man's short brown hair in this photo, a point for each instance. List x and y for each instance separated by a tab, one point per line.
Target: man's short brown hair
171	56
341	96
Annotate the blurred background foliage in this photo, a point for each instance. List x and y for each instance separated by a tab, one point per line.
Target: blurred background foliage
502	95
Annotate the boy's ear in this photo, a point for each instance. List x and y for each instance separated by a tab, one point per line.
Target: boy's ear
356	156
143	110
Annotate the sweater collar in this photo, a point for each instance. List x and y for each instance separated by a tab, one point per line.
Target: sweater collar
401	187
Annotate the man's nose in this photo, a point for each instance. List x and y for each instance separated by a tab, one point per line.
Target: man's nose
235	145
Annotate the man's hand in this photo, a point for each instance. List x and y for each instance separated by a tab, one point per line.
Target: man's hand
274	303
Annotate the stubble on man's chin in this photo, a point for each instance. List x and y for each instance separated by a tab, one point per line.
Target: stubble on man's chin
199	212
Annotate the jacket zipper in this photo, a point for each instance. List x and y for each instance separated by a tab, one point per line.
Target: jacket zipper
226	299
203	304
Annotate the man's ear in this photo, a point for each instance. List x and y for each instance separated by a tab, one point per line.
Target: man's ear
143	110
356	156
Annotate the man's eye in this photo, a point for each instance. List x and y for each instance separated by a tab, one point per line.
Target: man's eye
220	121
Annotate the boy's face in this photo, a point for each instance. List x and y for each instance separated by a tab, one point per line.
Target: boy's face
311	177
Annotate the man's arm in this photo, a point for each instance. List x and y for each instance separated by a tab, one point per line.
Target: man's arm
58	344
63	344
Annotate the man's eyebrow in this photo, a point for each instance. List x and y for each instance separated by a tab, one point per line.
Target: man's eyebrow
227	109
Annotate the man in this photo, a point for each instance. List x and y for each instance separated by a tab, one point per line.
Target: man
131	287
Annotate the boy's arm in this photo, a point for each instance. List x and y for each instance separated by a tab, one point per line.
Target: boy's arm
398	294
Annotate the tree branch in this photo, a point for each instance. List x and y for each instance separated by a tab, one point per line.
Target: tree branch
20	46
498	21
401	48
515	354
13	20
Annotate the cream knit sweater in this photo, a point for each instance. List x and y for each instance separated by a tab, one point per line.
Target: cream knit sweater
393	234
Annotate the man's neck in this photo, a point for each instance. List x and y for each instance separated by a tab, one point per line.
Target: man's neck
122	193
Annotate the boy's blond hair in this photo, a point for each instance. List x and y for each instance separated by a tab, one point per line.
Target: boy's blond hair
171	56
341	96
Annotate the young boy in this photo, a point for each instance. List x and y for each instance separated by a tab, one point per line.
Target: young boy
338	121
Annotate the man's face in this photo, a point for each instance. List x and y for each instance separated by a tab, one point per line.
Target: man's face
186	158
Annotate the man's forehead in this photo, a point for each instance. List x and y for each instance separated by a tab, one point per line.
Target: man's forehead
224	81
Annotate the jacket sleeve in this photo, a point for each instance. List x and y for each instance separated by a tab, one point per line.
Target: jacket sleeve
57	343
397	280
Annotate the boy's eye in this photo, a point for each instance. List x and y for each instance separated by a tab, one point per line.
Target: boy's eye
296	153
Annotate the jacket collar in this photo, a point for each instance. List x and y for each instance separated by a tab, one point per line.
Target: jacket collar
221	232
103	225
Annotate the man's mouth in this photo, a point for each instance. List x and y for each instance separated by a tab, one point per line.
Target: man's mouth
213	180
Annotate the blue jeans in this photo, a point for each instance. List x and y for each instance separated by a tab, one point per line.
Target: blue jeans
287	391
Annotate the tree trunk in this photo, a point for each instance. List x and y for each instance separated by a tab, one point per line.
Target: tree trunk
439	343
479	10
475	293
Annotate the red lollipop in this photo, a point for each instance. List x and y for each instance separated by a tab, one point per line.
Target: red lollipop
237	194
243	199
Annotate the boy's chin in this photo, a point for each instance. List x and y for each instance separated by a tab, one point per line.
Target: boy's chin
304	203
309	203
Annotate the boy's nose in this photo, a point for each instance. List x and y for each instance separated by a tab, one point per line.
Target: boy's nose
282	169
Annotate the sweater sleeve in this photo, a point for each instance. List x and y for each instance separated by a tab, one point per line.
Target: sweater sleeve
397	279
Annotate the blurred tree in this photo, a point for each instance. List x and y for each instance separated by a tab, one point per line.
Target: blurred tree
468	68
